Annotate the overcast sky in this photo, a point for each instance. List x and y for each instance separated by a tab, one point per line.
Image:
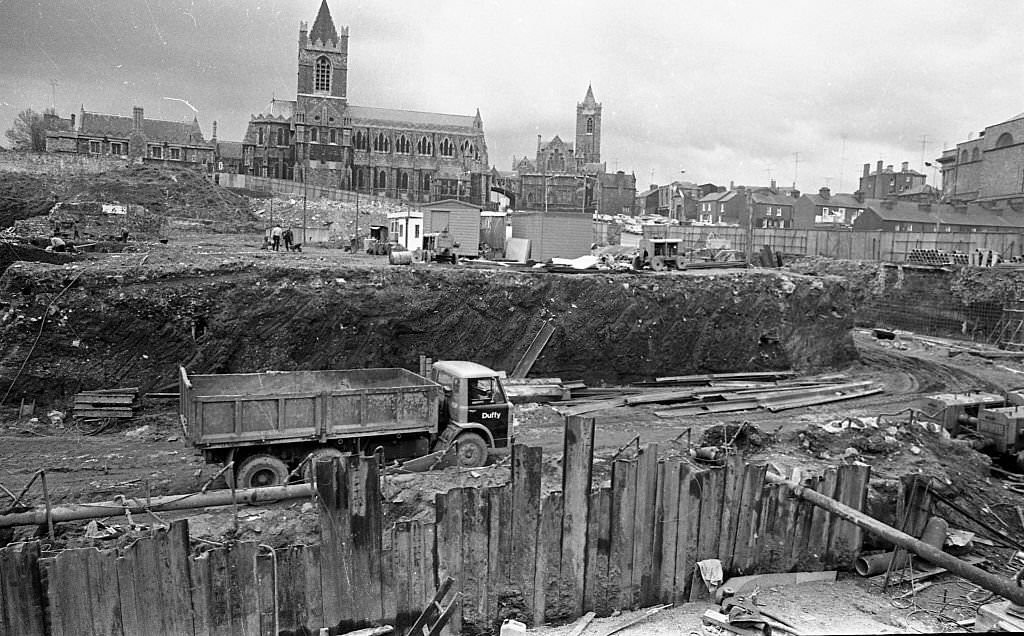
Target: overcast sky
725	90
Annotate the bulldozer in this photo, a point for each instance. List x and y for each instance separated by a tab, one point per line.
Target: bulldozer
659	254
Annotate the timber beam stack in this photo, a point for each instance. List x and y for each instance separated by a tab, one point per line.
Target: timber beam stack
113	403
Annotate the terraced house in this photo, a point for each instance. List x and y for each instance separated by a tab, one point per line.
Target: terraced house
321	138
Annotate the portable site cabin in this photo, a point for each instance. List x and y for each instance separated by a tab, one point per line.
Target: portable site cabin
552	234
406	228
462	220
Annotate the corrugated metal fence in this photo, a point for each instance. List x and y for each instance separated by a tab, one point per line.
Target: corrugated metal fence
512	552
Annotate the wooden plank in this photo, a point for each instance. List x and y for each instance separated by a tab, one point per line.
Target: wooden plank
54	610
311	559
475	531
595	597
549	598
526	475
103	399
104	594
731	495
400	574
522	368
767	529
645	576
620	561
691	484
177	598
266	583
21	591
577	472
244	603
499	561
668	518
70	584
367	523
430	583
336	571
800	533
220	582
146	577
118	414
199	571
712	499
817	541
449	516
748	539
845	540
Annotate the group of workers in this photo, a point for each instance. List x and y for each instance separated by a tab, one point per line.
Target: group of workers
279	235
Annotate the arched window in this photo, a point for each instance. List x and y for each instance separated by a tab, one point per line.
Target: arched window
590	125
530	198
1005	139
334	138
382	143
403	145
322	75
403	180
261	138
975	154
425	146
381	180
963	157
314	134
362	140
447	148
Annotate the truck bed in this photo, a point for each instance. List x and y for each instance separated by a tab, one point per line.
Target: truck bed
237	409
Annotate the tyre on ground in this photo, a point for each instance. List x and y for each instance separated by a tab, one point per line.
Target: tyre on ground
658	264
260	471
471	450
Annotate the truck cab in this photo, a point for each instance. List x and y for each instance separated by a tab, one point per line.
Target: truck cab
475	412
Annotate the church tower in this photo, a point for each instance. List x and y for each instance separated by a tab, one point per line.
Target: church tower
323	57
588	129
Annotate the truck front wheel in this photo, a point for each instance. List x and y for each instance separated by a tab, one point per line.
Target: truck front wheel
471	450
260	471
319	455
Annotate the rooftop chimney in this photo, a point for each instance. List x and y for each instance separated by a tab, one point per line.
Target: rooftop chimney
824	193
879	170
773	186
867	169
888	168
859	195
72	121
137	118
214	138
906	166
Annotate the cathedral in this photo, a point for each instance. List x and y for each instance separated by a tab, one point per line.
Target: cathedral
567	176
322	139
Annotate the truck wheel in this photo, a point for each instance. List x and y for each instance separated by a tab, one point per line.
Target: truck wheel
259	471
472	450
319	455
658	264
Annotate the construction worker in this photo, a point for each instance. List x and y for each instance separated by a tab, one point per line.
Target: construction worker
289	238
275	238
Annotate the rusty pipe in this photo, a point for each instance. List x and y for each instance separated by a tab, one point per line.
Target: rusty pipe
992	582
74	512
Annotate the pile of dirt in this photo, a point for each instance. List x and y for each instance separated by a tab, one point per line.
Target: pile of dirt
24	195
136	326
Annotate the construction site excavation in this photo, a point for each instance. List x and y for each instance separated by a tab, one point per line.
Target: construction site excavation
201	435
287	350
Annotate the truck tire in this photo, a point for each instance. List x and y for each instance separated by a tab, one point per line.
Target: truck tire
319	455
471	451
658	264
262	470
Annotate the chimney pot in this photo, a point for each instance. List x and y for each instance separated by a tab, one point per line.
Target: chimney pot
137	115
888	168
867	169
72	121
906	166
879	170
824	193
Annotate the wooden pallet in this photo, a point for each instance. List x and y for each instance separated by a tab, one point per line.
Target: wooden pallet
113	403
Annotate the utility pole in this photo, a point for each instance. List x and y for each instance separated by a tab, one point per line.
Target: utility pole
796	166
924	143
53	94
305	189
842	162
750	227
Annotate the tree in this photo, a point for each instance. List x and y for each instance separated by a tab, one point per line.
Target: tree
29	130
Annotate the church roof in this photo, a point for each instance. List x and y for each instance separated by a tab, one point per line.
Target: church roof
277	108
589	99
366	114
175	132
323	27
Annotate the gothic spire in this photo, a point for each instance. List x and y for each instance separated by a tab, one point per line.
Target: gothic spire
588	100
323	27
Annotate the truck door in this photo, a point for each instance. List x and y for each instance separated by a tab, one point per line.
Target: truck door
487	405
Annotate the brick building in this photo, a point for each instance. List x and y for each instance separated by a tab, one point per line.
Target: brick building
322	138
134	138
884	182
987	171
827	210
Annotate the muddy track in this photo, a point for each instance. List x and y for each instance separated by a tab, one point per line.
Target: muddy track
906	374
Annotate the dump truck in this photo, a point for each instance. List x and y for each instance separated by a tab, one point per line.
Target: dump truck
270	423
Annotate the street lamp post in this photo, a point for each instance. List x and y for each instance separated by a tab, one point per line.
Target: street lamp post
305	189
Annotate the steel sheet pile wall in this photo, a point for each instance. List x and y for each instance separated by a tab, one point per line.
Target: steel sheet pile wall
512	552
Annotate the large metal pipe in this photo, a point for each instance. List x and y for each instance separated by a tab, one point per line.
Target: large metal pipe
992	582
74	512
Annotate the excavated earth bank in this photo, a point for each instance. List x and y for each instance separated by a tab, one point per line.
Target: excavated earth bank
134	325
